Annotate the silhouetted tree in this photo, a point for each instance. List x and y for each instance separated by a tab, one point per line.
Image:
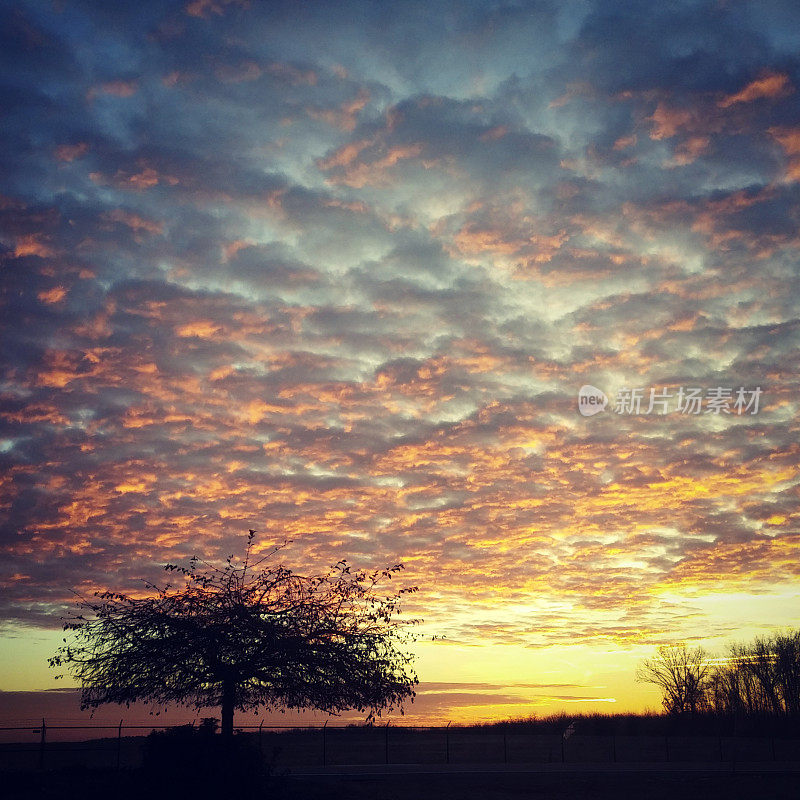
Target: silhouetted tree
681	673
759	677
786	649
246	635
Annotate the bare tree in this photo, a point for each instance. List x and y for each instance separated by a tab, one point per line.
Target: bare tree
759	677
246	635
682	674
786	647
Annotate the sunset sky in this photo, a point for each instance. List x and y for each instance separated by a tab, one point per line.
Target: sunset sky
337	272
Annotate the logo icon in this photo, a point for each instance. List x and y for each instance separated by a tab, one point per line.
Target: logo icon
591	400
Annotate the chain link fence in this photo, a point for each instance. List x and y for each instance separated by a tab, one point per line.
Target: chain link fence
47	747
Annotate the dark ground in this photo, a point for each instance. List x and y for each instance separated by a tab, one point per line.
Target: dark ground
551	787
655	785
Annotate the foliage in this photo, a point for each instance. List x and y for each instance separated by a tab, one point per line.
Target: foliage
246	635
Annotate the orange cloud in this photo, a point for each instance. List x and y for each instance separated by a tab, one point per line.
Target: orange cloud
145	178
202	329
114	88
625	142
230	249
498	132
668	121
344	156
69	152
789	140
377	171
763	559
771	85
31	245
205	8
134	221
689	150
346	116
53	296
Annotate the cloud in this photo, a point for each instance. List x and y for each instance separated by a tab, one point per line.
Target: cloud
769	86
292	270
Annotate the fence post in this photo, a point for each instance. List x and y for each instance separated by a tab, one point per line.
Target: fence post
325	744
387	742
42	743
119	744
260	745
614	748
505	749
447	743
666	747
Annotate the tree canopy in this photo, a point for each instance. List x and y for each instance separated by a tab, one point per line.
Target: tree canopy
245	635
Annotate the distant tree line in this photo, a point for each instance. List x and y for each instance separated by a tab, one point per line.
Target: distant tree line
761	677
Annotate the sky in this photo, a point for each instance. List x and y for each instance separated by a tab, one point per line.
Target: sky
338	273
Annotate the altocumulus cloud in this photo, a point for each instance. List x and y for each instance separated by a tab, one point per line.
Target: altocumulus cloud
337	274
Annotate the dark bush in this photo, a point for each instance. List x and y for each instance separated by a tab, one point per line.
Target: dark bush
199	758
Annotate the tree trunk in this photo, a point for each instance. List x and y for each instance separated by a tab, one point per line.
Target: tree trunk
228	704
